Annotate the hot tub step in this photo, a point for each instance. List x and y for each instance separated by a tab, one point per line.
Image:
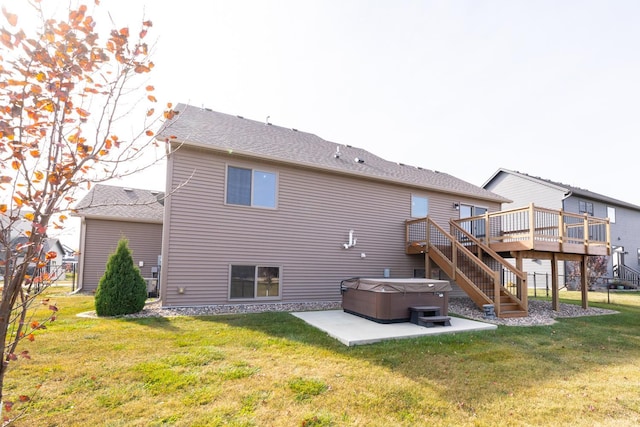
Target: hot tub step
417	311
430	321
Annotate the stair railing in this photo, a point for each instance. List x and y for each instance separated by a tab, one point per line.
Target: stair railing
628	274
459	262
513	281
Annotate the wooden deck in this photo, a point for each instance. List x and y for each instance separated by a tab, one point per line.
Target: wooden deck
531	229
474	251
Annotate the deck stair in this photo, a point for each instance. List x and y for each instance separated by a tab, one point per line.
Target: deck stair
627	274
480	272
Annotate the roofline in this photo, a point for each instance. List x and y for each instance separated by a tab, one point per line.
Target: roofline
527	177
497	199
568	190
118	218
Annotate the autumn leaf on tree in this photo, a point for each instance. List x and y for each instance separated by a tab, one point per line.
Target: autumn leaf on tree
65	95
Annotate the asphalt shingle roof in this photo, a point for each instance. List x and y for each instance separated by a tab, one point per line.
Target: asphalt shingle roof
107	201
235	134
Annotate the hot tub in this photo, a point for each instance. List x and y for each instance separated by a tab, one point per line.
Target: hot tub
388	300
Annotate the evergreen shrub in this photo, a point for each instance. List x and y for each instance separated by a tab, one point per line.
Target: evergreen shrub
122	289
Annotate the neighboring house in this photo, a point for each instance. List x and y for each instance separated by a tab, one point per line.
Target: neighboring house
55	265
263	213
14	232
70	257
624	218
109	213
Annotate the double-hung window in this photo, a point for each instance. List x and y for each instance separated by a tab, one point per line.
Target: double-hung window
254	282
251	187
585	207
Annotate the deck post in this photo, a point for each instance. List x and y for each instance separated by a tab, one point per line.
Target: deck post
608	231
585	230
561	230
555	298
497	307
522	284
532	225
427	234
584	282
487	230
427	239
406	234
427	265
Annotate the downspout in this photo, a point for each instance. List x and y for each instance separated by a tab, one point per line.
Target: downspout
566	196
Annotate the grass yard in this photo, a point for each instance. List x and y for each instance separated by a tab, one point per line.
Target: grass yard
272	369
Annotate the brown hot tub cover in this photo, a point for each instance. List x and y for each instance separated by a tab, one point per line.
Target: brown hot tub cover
388	300
397	285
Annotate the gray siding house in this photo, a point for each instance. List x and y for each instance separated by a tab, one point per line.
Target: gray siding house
55	266
109	213
262	213
624	217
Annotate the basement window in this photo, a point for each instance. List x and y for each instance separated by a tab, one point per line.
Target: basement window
254	282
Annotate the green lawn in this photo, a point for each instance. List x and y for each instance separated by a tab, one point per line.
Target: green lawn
272	369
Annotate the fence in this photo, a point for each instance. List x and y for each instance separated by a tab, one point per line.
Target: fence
541	283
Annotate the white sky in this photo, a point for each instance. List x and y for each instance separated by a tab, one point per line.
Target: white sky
548	88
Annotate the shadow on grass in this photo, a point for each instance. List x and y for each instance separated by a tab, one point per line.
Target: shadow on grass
479	367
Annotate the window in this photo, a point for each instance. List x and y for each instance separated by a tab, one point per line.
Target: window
586	207
476	227
419	206
611	214
250	187
254	282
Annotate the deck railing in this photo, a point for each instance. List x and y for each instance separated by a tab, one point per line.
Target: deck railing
534	227
511	279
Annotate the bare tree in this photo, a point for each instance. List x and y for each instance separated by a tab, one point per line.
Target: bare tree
63	88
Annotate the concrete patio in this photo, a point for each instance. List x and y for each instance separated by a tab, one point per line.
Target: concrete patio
352	330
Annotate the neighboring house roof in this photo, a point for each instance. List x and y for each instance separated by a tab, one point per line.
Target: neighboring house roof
568	189
68	250
49	243
204	128
121	203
